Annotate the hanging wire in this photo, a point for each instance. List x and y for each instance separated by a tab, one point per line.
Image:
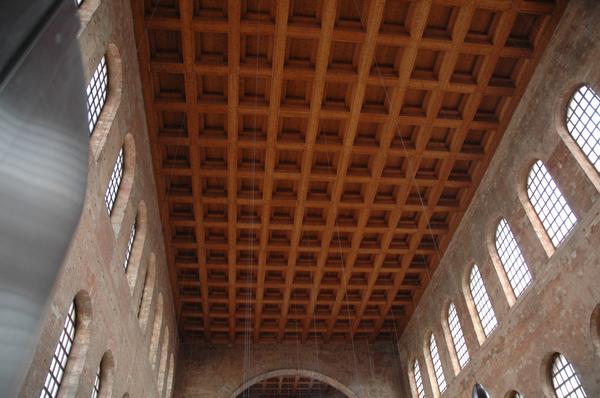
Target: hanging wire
409	160
247	337
413	180
248	349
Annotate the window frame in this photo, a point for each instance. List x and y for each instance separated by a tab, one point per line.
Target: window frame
547	200
97	383
96	91
458	337
577	128
488	324
511	258
559	364
130	244
436	361
114	183
418	379
61	355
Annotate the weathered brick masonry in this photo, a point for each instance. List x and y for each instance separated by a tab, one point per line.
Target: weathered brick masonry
108	299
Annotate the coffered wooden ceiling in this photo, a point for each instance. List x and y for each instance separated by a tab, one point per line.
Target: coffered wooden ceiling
313	158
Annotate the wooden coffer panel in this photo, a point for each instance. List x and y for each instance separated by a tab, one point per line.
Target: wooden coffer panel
313	158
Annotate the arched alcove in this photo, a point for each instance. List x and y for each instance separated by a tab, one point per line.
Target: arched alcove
81	343
133	269
595	328
107	370
156	331
126	185
170	375
162	370
147	293
336	389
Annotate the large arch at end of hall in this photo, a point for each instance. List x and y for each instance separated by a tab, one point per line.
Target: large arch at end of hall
295	372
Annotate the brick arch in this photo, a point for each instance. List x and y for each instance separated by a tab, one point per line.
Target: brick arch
219	370
295	372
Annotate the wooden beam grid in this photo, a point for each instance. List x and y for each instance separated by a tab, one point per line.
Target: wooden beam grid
459	33
318	87
270	152
313	164
507	19
389	129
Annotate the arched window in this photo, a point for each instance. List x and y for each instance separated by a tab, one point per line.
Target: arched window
144	309
458	338
129	246
511	258
162	369
482	302
418	380
437	365
565	380
96	90
58	364
170	376
96	386
110	196
103	383
549	204
583	123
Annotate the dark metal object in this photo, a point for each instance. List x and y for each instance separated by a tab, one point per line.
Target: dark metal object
43	167
479	391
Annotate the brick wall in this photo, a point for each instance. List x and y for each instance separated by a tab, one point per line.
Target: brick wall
558	312
138	353
356	369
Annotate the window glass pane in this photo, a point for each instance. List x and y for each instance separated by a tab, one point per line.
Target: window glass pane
60	357
511	258
482	302
129	246
96	91
549	204
419	380
460	346
583	123
96	386
437	365
115	182
565	380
